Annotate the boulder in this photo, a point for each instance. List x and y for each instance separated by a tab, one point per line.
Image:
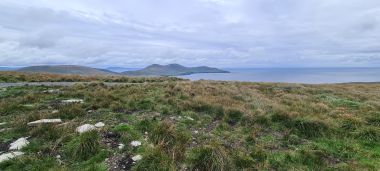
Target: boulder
2	123
85	128
19	144
45	121
10	155
99	124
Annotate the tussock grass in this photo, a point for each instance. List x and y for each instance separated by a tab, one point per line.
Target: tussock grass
212	157
233	125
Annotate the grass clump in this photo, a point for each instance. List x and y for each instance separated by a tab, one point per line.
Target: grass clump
155	159
169	139
233	116
212	157
83	147
71	111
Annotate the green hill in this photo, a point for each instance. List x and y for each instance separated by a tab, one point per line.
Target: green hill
173	70
67	69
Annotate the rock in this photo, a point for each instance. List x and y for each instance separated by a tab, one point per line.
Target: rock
19	144
189	118
44	121
85	128
5	129
137	157
72	101
10	155
99	124
2	123
121	146
56	91
54	111
135	143
196	132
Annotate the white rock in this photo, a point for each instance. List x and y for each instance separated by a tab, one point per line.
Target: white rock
2	123
196	132
10	155
54	111
189	118
19	144
135	143
72	101
99	124
137	157
5	129
121	146
85	128
42	121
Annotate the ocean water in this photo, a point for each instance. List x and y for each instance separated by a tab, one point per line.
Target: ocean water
294	75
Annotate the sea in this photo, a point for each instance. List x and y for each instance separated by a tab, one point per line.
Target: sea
293	75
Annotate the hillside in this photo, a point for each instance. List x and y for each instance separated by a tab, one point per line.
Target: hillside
66	69
186	125
172	70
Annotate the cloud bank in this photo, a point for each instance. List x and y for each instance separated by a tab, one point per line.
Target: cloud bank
221	33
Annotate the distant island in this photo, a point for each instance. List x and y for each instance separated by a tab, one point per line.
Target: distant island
172	70
152	70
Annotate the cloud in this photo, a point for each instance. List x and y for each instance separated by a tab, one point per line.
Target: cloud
240	33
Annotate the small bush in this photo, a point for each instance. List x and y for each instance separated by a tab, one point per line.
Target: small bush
210	157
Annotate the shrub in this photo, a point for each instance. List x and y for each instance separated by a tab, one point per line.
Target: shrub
210	157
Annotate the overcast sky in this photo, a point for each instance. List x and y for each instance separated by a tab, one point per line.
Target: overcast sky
219	33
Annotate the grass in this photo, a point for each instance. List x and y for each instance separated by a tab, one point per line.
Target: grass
232	125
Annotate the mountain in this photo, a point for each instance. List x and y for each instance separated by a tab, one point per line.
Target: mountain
67	69
172	70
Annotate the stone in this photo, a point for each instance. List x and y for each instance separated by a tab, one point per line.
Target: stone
45	121
72	101
189	118
135	143
121	146
99	124
137	157
2	123
19	144
54	111
10	155
85	128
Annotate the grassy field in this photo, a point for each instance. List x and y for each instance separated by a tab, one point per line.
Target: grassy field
201	125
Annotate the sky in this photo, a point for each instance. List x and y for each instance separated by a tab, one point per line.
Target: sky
219	33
